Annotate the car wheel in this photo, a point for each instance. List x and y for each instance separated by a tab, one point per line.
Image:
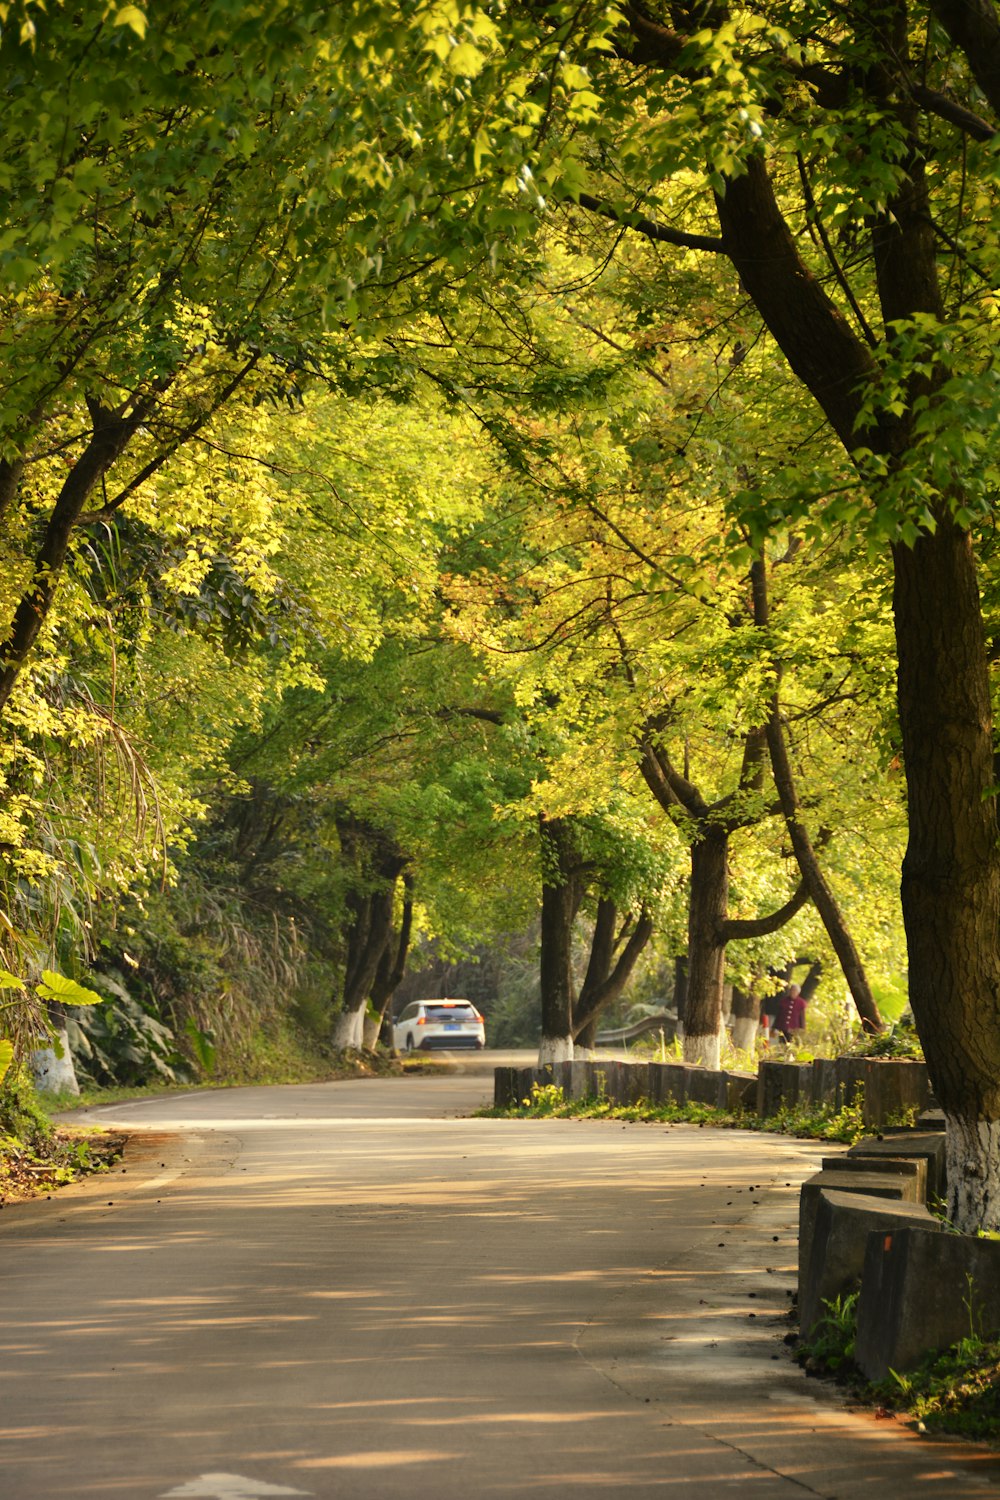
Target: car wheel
409	1042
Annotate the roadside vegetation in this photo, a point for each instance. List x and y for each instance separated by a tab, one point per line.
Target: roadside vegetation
820	1122
956	1391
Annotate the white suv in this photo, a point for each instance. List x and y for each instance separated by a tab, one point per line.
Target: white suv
429	1024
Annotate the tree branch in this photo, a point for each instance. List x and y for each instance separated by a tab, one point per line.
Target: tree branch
662	233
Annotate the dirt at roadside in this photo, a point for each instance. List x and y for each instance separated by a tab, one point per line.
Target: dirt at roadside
69	1155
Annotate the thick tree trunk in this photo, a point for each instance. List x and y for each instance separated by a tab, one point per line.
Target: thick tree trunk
951	872
561	892
391	968
378	864
709	902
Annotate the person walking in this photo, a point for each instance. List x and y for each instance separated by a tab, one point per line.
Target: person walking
790	1018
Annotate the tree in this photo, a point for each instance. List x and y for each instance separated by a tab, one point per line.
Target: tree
806	134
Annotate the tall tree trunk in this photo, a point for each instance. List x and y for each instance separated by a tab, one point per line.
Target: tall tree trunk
606	976
951	872
561	893
391	967
378	863
707	912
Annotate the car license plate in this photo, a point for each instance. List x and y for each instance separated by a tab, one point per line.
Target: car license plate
453	1026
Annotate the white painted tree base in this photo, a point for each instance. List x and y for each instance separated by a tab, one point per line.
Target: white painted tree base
706	1050
53	1073
972	1151
744	1033
583	1054
348	1029
555	1049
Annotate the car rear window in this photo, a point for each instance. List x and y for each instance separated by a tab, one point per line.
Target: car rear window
450	1013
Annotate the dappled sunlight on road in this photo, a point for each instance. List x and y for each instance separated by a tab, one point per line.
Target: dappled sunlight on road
427	1309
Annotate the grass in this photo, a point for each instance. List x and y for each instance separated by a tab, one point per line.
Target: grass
817	1122
955	1391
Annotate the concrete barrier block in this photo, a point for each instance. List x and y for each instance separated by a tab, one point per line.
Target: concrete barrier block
598	1086
635	1082
676	1076
922	1291
575	1086
523	1080
659	1092
504	1088
739	1091
562	1077
878	1185
849	1073
703	1086
892	1087
823	1081
836	1259
778	1085
914	1145
898	1165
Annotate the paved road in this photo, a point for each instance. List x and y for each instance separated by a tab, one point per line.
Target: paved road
348	1290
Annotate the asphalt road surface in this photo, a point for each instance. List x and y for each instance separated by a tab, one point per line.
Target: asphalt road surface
352	1290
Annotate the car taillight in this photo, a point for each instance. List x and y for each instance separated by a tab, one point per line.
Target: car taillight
421	1020
478	1016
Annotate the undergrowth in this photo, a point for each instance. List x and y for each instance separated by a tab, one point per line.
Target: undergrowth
816	1122
954	1391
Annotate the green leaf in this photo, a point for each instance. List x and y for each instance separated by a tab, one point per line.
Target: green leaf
6	1057
66	991
9	981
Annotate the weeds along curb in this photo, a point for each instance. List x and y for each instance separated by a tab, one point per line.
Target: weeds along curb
819	1122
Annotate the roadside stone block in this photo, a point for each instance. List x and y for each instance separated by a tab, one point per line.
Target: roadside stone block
504	1087
578	1085
614	1086
823	1081
676	1082
836	1260
523	1079
562	1076
894	1165
912	1145
778	1085
922	1291
598	1082
893	1086
887	1086
659	1083
635	1082
902	1189
738	1091
703	1086
849	1073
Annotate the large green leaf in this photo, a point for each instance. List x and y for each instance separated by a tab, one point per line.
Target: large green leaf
66	991
6	1058
9	981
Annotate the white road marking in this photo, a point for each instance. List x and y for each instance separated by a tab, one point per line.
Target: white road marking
228	1487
